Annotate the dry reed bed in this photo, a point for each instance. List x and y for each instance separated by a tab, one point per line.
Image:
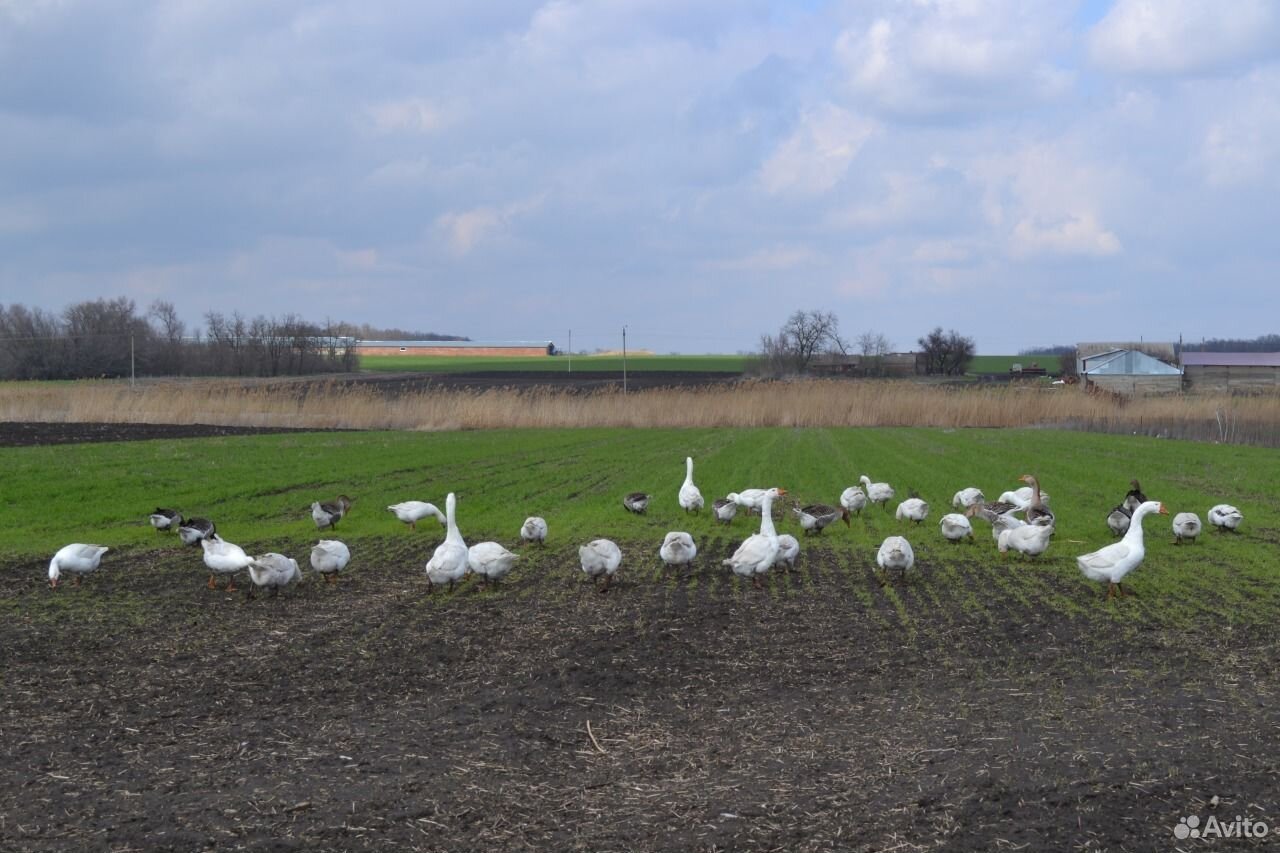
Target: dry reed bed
817	403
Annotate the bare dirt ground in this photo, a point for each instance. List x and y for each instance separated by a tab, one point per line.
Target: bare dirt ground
142	711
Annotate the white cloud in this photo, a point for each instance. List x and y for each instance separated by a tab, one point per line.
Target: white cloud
1184	36
816	156
1079	235
412	115
464	230
1241	144
768	260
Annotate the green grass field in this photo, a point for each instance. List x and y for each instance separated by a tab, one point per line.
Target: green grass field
258	489
1002	363
585	364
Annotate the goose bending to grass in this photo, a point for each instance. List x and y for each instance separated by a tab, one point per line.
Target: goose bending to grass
1119	519
725	509
411	512
895	553
967	497
193	530
165	519
757	553
1186	525
955	527
678	549
912	509
1036	512
1134	498
877	493
788	550
1113	562
1021	498
600	558
690	496
1225	517
749	499
78	559
329	514
1029	539
998	520
223	558
853	499
329	557
814	518
534	529
272	571
448	564
490	561
636	502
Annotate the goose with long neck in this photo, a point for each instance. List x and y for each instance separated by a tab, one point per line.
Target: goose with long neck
757	553
1113	562
690	496
449	562
1037	512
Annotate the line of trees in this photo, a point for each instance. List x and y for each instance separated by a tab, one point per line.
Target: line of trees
807	335
109	338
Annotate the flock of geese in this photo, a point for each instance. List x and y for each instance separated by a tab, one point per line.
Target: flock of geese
1020	520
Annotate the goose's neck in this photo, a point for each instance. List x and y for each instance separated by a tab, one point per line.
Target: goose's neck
451	519
688	471
1134	534
766	517
54	572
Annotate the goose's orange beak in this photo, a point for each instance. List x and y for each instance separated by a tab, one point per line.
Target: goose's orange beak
1162	510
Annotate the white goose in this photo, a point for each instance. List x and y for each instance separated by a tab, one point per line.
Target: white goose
725	508
411	512
449	562
748	499
678	549
600	558
193	530
967	497
853	499
165	519
1021	498
757	553
690	497
1029	539
1186	525
955	527
77	558
329	514
223	558
1116	560
329	557
877	493
490	561
1000	521
534	529
788	550
912	509
272	571
1225	517
895	553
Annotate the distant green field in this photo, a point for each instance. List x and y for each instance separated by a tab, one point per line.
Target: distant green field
558	363
1002	363
259	488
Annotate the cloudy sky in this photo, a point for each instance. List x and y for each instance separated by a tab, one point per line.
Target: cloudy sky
1025	172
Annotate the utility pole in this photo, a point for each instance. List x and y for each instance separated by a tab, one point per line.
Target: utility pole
624	359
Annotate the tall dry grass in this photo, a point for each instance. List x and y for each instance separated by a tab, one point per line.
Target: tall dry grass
817	403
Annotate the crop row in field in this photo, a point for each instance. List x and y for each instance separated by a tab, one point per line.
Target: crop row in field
259	489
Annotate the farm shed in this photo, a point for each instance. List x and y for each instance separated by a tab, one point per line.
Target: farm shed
456	348
896	364
1231	371
1129	372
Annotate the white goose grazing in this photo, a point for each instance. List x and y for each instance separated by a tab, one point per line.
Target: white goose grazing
999	520
877	493
1225	517
814	518
636	502
449	562
895	553
853	499
77	558
193	530
1118	519
223	558
1116	560
490	561
967	497
748	499
788	550
329	514
411	512
272	571
329	557
1021	498
678	549
600	558
1186	525
690	497
725	508
534	529
1029	539
757	553
955	527
913	509
165	519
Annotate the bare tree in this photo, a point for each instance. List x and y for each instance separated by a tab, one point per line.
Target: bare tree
800	340
873	346
948	353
